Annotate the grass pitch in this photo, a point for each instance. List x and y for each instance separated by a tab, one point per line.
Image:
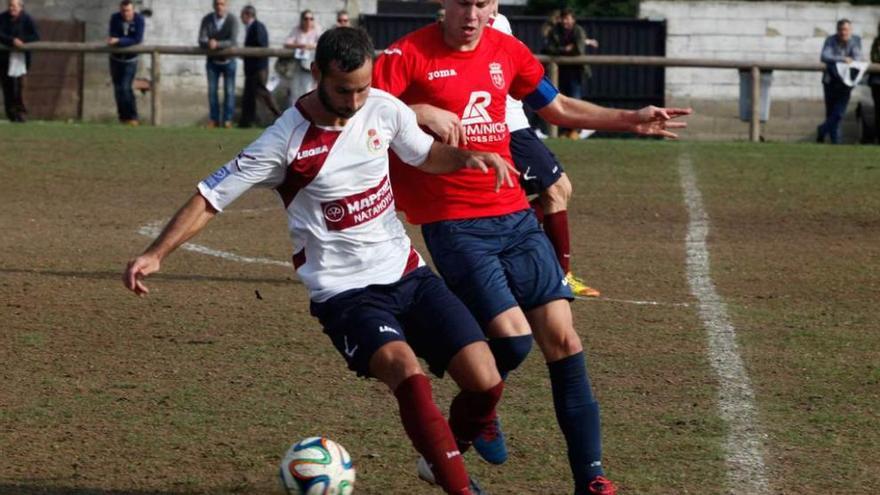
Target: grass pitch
200	387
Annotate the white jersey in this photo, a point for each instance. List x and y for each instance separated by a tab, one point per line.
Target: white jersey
516	116
334	183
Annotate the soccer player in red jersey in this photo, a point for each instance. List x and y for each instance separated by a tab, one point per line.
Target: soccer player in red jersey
490	248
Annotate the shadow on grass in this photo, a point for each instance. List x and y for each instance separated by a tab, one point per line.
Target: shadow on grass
157	276
38	488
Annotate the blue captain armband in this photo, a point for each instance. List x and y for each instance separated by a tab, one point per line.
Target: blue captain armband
542	95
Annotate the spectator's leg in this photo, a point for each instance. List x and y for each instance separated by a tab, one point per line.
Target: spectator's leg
7	96
18	108
116	76
875	92
262	77
229	91
213	72
841	100
827	97
130	104
248	100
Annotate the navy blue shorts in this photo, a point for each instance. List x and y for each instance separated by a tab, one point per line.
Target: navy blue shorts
538	166
496	263
418	309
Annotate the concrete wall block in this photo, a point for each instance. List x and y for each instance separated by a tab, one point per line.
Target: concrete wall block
727	10
804	11
747	45
658	9
694	26
788	27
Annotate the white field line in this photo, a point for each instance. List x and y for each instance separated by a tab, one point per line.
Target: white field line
153	229
746	472
630	301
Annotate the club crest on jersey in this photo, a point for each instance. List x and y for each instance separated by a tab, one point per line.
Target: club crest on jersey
374	141
497	75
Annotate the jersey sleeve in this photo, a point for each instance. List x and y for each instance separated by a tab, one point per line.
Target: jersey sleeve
410	142
529	71
262	164
391	71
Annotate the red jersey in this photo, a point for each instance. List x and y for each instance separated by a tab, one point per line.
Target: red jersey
421	68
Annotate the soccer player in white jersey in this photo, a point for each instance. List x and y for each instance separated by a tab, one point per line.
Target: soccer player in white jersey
541	174
327	157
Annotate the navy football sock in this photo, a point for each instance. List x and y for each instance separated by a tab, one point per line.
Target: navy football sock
578	414
510	352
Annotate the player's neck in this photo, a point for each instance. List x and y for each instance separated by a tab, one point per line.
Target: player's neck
458	45
318	114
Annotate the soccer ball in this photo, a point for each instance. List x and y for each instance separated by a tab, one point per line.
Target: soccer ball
317	466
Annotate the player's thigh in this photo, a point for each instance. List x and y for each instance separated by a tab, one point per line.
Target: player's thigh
466	253
359	323
473	367
538	167
394	362
531	268
555	198
438	325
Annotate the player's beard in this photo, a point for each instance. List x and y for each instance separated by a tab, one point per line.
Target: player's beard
324	98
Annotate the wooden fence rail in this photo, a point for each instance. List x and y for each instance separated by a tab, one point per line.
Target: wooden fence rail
754	67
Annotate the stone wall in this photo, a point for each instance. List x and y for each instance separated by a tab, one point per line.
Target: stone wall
763	31
175	22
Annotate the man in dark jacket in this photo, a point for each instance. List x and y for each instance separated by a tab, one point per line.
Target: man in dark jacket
126	29
16	29
256	69
220	30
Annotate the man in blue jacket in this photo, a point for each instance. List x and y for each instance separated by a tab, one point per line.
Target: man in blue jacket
841	47
256	69
126	29
16	29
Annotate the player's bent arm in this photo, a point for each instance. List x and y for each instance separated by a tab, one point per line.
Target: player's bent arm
443	159
445	124
186	223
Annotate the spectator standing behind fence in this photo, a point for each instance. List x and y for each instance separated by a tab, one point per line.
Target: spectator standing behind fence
16	29
256	69
841	47
303	38
126	29
874	81
220	30
568	39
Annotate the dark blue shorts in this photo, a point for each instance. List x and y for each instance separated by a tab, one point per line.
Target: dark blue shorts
418	309
537	165
496	263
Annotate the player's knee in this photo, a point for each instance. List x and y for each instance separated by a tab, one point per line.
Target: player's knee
559	343
473	367
393	363
510	352
557	195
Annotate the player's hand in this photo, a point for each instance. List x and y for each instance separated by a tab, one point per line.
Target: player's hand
655	121
447	126
136	270
504	171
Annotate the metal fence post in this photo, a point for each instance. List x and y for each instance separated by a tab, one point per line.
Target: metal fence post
553	72
755	124
155	103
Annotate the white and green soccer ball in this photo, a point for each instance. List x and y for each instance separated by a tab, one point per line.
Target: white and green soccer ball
317	466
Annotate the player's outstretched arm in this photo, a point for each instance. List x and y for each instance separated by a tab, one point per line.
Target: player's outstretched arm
444	159
187	222
649	121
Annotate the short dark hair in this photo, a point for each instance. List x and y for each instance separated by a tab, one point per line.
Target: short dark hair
341	13
568	11
349	47
125	3
249	10
841	22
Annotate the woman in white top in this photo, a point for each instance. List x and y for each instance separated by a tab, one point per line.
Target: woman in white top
303	38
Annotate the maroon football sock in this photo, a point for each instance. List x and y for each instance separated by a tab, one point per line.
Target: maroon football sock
430	434
539	210
471	412
556	228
